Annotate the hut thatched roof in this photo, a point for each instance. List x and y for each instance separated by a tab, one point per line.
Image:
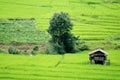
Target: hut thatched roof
104	52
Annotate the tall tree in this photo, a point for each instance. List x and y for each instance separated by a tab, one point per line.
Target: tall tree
60	30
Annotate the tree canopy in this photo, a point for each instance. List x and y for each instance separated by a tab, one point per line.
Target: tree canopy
60	30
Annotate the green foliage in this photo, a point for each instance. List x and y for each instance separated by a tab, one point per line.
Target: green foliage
42	67
69	41
12	50
80	45
60	30
21	31
93	27
33	52
36	48
83	46
60	24
50	48
58	47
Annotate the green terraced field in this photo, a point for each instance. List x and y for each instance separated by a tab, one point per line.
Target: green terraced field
21	30
72	67
94	20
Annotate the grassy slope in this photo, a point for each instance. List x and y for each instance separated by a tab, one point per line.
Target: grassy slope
93	20
21	31
73	67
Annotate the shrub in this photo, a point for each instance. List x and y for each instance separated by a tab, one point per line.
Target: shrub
58	48
36	48
81	45
33	52
50	48
13	50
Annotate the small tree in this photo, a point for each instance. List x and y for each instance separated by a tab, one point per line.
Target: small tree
60	30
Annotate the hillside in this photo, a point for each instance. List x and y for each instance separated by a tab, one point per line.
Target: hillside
94	21
21	30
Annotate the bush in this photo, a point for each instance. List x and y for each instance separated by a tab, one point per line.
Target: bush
81	45
58	48
36	48
13	50
33	52
50	48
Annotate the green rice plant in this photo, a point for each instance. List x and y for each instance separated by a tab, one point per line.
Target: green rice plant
94	22
42	66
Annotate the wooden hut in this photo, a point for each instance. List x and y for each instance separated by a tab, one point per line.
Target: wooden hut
98	56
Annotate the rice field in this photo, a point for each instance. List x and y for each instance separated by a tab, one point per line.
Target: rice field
72	67
93	20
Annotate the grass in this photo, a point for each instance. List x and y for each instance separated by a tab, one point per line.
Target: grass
23	31
91	19
73	67
94	20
